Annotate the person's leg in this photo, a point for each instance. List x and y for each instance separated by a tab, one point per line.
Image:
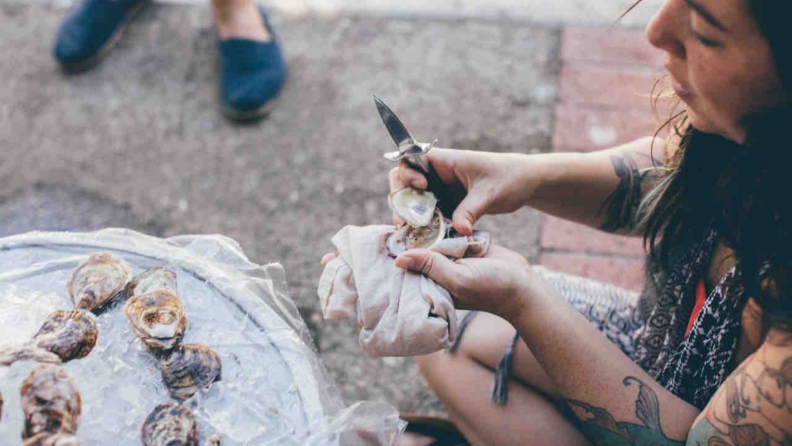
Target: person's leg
239	19
463	383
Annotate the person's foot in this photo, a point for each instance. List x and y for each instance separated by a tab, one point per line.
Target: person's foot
239	19
252	68
91	30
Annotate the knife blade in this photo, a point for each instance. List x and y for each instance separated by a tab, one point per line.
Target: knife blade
414	153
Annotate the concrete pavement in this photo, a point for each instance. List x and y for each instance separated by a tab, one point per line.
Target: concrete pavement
139	141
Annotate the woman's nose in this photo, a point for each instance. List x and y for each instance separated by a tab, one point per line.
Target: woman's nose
665	29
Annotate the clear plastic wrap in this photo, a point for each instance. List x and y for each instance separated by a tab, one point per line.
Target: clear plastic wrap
274	390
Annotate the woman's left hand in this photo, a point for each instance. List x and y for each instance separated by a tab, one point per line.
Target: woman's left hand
498	283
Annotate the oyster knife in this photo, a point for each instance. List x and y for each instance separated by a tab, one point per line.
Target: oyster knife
414	153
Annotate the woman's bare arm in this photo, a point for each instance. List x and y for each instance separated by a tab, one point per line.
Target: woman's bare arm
600	189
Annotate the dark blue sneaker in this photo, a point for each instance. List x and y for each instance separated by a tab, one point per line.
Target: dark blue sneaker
251	75
91	30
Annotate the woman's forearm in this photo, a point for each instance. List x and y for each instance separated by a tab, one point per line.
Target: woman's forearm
599	189
612	398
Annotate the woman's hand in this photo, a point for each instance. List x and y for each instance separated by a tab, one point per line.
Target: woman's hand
499	283
496	183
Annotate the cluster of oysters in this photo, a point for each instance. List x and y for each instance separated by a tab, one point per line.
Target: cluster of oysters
156	314
50	400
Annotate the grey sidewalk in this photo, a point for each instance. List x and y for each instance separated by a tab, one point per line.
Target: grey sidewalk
140	142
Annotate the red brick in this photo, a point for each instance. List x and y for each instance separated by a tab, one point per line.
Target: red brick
610	46
606	86
579	128
565	235
626	273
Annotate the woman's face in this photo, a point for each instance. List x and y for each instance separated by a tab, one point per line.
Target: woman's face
720	65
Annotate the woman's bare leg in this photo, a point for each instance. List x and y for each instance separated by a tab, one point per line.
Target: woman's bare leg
463	382
239	19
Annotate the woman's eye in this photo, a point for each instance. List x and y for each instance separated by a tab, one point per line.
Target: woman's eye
706	42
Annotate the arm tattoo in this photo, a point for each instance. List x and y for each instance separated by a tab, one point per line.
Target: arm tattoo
599	426
622	204
752	408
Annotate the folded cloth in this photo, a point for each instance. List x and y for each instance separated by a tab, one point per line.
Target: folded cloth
398	312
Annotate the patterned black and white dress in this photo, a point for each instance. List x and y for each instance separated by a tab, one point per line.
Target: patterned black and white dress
650	326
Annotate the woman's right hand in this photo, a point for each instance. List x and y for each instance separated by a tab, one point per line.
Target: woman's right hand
495	183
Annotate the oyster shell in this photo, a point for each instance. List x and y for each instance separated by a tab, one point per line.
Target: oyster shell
415	206
50	402
1	406
97	282
47	439
68	334
158	318
409	237
65	335
170	425
155	279
190	368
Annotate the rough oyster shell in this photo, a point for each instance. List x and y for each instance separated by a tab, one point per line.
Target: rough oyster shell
409	237
97	282
47	439
68	334
155	279
415	206
170	425
1	406
190	368
50	401
158	318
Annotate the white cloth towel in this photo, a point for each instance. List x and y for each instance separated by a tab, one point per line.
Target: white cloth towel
398	312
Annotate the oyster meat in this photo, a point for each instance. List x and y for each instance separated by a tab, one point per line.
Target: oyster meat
190	368
415	206
97	282
170	425
47	439
411	237
158	318
50	402
65	335
155	279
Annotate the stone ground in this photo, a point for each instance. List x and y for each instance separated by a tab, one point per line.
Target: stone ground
139	141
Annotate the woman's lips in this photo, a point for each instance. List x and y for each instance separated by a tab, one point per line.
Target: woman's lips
680	90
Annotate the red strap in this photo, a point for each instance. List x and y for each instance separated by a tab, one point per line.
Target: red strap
701	297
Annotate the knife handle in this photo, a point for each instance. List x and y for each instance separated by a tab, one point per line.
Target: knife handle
447	197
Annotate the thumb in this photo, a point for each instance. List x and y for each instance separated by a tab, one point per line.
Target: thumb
468	212
430	263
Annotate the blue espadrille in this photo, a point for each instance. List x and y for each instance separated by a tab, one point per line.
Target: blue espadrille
251	75
91	30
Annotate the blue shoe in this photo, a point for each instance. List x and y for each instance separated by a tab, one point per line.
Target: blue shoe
91	30
251	75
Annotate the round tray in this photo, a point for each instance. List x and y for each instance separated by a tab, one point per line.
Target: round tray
273	390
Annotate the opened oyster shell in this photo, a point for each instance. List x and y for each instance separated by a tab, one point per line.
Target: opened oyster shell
190	368
97	282
156	279
415	206
170	425
50	402
65	335
47	439
158	318
409	237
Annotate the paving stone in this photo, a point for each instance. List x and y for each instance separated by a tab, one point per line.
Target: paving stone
610	46
581	128
626	273
606	86
564	235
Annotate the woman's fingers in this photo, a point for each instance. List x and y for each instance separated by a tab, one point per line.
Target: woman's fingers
411	177
468	212
327	258
434	265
